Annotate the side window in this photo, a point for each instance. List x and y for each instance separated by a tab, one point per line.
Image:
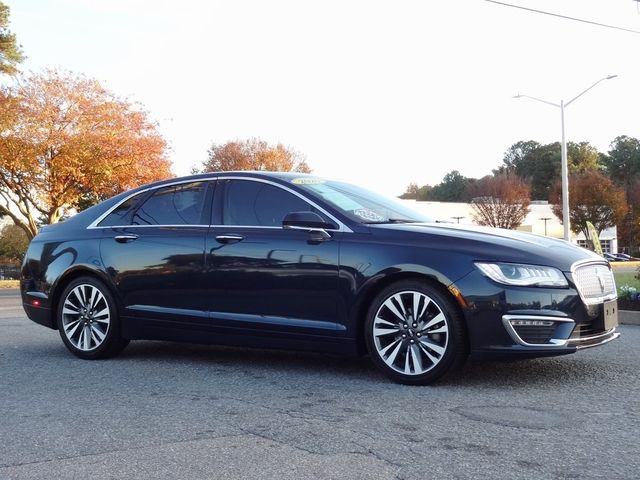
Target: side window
118	217
259	204
174	205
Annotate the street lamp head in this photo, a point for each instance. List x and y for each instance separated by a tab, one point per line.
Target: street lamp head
517	96
610	77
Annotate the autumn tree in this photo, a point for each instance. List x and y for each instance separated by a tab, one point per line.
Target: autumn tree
592	198
501	200
253	154
66	142
10	51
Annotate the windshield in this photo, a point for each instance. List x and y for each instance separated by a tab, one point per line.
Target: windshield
359	204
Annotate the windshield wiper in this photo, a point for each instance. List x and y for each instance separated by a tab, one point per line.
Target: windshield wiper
391	220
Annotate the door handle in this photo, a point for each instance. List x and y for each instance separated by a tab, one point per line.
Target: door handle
229	238
126	238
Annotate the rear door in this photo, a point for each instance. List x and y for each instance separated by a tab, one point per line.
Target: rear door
153	248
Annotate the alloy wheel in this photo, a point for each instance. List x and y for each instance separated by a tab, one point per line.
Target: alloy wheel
410	332
86	317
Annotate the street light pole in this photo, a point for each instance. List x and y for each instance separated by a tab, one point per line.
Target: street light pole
563	152
564	165
545	220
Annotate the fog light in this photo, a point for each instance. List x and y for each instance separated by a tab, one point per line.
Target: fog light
531	323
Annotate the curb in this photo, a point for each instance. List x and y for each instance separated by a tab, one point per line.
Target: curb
628	317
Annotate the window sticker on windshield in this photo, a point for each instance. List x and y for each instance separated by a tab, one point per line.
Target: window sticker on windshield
340	200
368	215
308	181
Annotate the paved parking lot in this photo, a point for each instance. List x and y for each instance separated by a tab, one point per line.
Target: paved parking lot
164	410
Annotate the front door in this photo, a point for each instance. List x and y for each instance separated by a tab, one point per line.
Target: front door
262	277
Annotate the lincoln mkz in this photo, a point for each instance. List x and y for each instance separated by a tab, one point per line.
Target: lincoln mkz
292	261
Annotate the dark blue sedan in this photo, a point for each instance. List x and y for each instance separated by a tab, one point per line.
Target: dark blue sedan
291	261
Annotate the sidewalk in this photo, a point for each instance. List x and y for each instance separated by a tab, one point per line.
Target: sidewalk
628	317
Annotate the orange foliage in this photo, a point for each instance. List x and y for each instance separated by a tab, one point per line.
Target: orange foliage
500	201
594	198
66	142
253	154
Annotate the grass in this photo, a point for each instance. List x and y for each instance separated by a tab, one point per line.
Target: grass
9	283
625	279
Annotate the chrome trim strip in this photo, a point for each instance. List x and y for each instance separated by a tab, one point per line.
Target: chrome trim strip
341	226
553	343
601	338
238	319
154	226
170	311
596	300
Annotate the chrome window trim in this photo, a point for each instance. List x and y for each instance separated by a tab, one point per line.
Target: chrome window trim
341	226
553	343
95	224
596	300
182	225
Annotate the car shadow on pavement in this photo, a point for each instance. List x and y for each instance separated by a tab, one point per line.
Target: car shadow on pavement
512	373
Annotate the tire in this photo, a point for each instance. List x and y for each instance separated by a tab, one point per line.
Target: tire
415	351
88	320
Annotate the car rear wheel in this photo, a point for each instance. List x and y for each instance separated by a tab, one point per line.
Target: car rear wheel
414	333
88	320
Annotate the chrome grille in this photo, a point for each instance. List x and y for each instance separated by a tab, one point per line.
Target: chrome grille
595	283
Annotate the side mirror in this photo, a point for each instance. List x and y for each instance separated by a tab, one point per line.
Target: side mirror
310	222
306	221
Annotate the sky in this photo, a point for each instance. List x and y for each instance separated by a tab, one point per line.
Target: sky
379	93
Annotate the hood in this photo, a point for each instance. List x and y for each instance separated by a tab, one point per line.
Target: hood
493	244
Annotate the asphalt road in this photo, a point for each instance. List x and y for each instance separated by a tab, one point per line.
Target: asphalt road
172	411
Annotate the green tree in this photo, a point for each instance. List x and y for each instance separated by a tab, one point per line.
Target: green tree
538	164
541	164
411	193
452	188
516	155
622	163
623	160
10	52
13	245
583	157
414	192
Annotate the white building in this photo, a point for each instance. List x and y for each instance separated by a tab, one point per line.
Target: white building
540	221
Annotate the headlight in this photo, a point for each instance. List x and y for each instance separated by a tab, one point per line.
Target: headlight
523	275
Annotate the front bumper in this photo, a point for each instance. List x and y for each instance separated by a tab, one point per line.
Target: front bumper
533	322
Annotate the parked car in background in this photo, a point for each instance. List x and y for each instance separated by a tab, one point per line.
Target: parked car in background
625	257
284	260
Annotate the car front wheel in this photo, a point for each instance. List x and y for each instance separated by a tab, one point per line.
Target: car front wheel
414	333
